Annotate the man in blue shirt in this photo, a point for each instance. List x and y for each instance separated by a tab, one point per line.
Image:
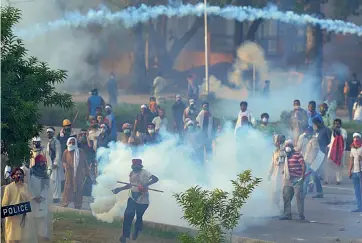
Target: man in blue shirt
312	113
94	101
112	122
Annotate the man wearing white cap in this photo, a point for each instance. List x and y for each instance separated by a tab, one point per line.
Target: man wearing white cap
141	123
36	150
355	169
190	111
54	157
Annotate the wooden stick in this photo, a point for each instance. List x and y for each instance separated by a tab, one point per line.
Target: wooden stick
125	183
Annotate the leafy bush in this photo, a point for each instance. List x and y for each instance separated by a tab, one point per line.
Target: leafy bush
214	213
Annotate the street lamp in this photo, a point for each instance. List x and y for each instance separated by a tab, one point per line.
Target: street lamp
206	50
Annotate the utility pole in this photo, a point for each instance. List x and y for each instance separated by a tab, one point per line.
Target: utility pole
206	50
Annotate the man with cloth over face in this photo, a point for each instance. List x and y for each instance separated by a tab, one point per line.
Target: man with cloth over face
138	200
294	171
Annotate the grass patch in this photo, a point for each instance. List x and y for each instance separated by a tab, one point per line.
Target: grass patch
86	228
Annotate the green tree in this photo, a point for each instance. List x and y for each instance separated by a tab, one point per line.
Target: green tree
26	83
215	213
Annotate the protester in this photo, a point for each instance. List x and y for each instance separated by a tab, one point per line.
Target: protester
244	112
192	88
354	88
152	136
336	150
266	90
194	138
159	85
127	133
153	107
312	113
332	106
161	122
177	113
36	150
205	121
355	169
298	120
312	157
103	138
138	202
18	228
54	157
357	109
144	118
323	111
112	125
112	89
190	111
264	125
303	140
76	170
294	171
94	101
40	187
64	134
277	168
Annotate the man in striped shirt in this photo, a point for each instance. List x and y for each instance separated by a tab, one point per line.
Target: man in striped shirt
294	171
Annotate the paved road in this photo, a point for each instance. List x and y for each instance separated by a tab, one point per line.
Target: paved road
329	220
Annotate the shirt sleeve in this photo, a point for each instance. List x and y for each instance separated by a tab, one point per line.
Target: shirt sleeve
355	106
301	159
147	174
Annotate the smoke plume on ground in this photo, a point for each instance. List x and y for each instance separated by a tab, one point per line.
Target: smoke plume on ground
177	172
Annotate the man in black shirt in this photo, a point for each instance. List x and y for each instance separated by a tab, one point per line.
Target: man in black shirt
354	88
177	112
141	123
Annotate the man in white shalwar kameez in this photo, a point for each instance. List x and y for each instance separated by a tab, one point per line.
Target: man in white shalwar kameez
54	157
40	187
244	112
205	121
277	169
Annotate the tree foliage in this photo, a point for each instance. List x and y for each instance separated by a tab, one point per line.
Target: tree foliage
214	213
25	83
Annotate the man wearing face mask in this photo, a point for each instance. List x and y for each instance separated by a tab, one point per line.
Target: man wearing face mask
64	134
18	228
141	123
152	137
76	170
138	202
111	122
54	157
265	127
244	112
36	150
298	120
177	113
193	139
190	112
277	168
103	138
39	186
205	121
294	171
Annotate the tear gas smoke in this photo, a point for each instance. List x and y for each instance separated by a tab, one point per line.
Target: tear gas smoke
285	86
132	16
177	172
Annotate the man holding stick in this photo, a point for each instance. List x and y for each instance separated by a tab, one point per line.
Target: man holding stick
138	201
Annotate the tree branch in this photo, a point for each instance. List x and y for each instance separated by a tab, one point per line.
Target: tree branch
180	43
252	29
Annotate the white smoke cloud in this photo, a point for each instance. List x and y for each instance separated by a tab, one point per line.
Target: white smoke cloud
131	16
177	172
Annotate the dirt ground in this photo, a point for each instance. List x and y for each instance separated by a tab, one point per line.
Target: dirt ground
85	230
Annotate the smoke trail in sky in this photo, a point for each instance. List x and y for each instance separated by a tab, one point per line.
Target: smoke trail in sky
132	16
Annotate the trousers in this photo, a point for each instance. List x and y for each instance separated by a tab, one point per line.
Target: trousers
289	191
133	209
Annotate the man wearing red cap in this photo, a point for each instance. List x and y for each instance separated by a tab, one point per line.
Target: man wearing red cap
138	201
